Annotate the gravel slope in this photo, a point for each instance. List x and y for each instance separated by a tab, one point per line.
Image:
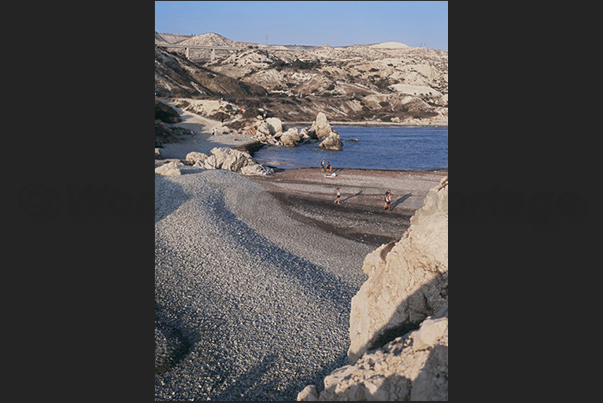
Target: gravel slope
249	303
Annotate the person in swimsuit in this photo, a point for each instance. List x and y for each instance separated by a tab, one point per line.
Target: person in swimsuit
338	196
388	200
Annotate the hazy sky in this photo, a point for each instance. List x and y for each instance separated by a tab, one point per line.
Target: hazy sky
334	23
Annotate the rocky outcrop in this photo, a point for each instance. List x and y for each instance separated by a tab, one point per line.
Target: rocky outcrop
227	159
408	279
195	156
411	367
157	153
321	127
268	131
291	137
276	126
230	160
256	170
399	317
171	168
332	142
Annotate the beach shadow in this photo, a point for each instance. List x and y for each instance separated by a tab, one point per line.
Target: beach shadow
400	200
171	194
354	195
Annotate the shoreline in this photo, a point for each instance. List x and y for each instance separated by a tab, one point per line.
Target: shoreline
307	195
370	123
246	298
264	268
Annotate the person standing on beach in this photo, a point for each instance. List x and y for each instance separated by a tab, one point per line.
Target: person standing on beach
329	167
388	200
322	166
338	196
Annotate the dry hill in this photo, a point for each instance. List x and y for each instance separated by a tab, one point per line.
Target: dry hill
389	82
177	76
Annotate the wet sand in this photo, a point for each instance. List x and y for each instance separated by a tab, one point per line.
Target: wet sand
308	196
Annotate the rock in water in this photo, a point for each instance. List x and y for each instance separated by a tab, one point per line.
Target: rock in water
332	142
321	127
276	124
290	138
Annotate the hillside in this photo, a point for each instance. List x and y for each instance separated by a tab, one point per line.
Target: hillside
177	76
209	39
388	82
170	38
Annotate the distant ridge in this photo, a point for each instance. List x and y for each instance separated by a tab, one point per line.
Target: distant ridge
389	45
213	39
170	38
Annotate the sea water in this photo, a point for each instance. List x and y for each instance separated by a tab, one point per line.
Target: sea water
384	147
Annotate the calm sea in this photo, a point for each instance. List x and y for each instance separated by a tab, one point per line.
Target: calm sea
390	147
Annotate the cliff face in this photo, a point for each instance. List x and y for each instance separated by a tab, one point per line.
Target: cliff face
399	317
412	367
408	279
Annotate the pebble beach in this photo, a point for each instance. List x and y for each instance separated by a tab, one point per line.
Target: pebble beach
254	276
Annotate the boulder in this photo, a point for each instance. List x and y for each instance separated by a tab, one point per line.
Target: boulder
265	129
408	279
195	156
268	131
309	393
320	127
412	367
290	138
332	142
233	160
227	159
276	124
157	153
171	168
256	170
304	137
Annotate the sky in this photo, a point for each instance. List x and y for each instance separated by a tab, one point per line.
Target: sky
315	23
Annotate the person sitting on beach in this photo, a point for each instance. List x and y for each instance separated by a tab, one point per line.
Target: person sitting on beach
388	200
338	196
322	166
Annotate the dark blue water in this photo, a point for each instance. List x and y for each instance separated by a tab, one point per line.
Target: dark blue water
391	148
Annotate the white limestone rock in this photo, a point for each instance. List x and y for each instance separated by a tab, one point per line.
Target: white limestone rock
332	142
171	168
408	279
321	127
